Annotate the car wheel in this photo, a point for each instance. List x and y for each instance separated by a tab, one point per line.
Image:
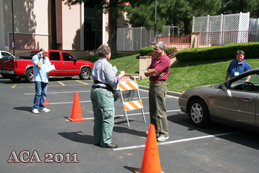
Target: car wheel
16	78
85	74
198	113
29	76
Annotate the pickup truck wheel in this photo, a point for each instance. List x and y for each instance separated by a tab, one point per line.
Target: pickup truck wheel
85	73
16	78
29	76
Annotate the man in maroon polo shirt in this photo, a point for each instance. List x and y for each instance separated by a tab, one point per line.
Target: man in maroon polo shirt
158	72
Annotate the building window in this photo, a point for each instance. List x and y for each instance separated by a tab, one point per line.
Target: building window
92	28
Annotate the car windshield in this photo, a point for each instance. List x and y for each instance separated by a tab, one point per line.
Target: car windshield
248	83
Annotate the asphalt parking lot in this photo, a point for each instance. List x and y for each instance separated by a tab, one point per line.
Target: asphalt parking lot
48	142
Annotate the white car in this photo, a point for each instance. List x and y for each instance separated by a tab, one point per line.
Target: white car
6	55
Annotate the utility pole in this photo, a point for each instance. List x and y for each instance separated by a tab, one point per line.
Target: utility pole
155	22
13	29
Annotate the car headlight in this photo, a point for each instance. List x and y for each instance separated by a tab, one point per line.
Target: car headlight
182	93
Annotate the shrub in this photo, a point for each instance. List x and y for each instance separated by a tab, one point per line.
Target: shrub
146	50
251	49
170	50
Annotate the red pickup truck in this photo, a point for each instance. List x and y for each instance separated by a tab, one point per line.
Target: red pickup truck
65	63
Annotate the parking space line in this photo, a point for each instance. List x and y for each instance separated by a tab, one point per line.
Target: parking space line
177	110
14	86
61	83
59	92
178	141
82	82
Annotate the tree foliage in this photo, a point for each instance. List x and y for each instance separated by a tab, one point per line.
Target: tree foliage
237	6
170	12
141	13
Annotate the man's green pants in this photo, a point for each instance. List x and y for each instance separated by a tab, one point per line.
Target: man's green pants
103	108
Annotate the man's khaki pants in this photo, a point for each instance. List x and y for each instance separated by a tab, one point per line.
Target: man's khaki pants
157	107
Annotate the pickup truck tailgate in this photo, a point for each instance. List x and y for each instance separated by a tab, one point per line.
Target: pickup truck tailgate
7	66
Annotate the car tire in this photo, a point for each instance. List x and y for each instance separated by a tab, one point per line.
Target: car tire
85	74
198	113
29	76
16	78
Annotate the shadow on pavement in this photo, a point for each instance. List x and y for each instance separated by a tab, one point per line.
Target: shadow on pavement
132	169
25	108
129	131
77	137
245	137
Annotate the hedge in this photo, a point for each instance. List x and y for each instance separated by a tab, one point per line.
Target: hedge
146	50
251	49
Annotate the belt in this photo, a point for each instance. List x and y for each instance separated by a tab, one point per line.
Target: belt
157	81
99	87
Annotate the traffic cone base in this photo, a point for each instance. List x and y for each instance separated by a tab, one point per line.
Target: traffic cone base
81	119
76	114
139	171
151	161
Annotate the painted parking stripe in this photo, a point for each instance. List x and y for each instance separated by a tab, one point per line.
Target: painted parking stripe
61	83
82	82
178	141
177	110
14	86
59	92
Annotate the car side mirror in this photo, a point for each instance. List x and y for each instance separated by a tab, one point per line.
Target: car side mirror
224	86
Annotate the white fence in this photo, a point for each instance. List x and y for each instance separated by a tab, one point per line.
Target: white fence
132	39
225	29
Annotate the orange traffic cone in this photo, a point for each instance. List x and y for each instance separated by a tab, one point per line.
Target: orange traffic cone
151	161
76	114
46	102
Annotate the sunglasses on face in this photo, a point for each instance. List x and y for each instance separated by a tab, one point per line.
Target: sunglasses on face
156	48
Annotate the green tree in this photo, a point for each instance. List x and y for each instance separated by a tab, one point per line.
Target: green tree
176	12
237	6
233	6
253	8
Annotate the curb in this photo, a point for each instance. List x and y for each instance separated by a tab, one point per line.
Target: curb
171	93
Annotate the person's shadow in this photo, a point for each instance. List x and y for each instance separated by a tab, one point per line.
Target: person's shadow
77	137
129	131
24	108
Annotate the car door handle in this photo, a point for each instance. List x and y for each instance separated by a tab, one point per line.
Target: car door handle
65	63
247	99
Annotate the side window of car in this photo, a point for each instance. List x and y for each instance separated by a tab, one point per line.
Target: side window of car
54	56
249	83
67	57
6	55
252	83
